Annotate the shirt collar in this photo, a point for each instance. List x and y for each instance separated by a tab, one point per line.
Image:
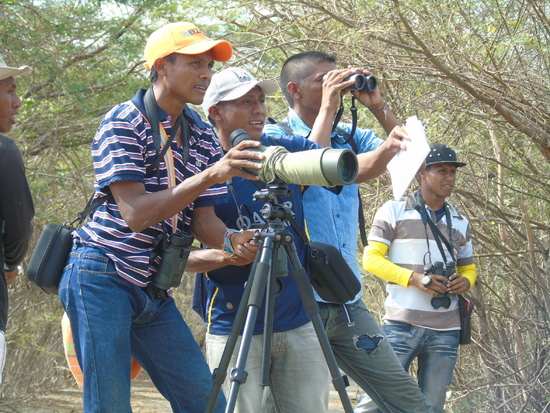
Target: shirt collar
139	103
297	125
409	204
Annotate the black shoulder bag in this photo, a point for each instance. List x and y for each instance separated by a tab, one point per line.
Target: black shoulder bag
465	306
52	250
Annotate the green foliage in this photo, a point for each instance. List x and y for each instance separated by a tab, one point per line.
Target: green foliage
477	73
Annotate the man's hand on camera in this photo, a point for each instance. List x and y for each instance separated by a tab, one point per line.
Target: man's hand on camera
438	285
458	284
235	160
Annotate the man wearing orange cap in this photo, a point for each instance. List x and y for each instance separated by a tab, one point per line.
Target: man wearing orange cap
110	289
16	205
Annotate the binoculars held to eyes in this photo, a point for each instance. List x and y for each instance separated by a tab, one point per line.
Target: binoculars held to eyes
362	82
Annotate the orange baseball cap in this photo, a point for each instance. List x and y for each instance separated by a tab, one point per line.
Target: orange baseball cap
184	38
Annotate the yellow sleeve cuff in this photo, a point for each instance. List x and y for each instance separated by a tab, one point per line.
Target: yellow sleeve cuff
468	271
375	262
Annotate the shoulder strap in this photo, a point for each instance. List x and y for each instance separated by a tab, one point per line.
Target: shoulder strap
438	236
152	116
286	128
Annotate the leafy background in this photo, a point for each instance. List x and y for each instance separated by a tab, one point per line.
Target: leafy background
475	72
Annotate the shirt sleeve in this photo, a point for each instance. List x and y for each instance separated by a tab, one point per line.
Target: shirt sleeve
118	151
365	139
468	271
465	253
16	207
273	129
208	148
383	225
375	262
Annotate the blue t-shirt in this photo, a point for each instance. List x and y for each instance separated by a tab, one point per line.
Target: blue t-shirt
122	149
224	287
332	218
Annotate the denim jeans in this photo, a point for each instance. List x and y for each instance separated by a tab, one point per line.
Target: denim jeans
111	320
437	353
364	354
299	375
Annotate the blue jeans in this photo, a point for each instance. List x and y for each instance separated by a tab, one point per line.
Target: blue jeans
437	353
298	373
113	319
364	354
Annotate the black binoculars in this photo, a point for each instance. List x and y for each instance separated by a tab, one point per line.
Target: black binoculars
445	269
173	261
362	82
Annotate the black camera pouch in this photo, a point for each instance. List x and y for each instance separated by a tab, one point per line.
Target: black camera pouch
465	307
50	257
331	275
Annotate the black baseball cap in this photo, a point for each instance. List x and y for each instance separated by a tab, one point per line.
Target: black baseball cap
440	153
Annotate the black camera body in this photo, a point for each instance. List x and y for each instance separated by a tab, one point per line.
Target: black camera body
439	268
173	261
362	82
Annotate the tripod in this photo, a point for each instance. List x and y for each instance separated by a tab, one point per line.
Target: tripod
263	279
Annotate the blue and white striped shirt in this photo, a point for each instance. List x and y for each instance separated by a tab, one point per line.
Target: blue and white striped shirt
122	149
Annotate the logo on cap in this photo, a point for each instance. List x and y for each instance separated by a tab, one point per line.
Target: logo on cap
191	32
242	74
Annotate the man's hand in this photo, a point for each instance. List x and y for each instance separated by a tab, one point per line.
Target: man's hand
395	141
334	86
438	285
11	276
458	284
235	159
244	245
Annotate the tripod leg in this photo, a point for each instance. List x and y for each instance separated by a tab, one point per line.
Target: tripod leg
259	282
268	319
306	293
220	373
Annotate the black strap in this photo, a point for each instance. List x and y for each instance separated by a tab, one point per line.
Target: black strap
420	206
353	110
151	109
338	114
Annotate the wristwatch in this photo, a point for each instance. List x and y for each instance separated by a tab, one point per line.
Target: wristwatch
426	281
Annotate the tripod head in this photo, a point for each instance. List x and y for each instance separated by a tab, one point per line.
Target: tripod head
273	208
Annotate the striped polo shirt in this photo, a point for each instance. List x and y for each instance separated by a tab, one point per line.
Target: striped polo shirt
398	225
122	149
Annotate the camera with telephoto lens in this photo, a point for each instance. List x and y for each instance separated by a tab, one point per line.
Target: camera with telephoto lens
446	270
173	261
323	167
362	82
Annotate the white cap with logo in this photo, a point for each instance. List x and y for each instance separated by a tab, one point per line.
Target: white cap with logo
232	83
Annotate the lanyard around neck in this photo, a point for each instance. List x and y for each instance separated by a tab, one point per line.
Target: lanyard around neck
170	167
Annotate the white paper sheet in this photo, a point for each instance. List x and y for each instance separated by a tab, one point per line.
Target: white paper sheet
405	164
